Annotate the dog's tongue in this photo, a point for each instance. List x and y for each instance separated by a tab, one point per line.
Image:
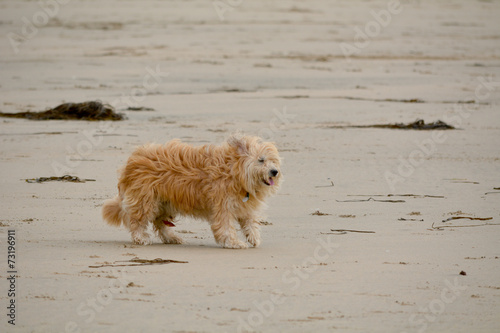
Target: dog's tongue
271	181
168	223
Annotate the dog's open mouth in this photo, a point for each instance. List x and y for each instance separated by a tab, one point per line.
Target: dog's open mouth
269	181
168	223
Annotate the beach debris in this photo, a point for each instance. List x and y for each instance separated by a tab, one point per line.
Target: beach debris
409	100
461	181
91	110
418	124
140	262
482	257
230	90
139	108
406	100
370	199
65	178
318	213
467	217
293	96
417	196
404	219
495	188
42	133
441	227
462	273
345	231
398	195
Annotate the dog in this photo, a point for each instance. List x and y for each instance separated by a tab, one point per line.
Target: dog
222	184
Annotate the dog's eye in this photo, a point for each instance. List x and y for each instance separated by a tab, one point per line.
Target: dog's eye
262	160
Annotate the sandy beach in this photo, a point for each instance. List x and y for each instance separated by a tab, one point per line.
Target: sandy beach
373	230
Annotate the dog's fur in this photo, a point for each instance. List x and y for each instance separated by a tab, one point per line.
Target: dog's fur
221	184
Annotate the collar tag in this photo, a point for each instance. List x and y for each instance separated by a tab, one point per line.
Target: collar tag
245	199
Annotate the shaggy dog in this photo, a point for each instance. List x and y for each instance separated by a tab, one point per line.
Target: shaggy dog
221	184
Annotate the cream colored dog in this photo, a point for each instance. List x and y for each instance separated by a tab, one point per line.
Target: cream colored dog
221	184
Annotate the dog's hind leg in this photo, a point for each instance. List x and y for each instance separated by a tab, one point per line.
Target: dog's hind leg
139	232
166	234
251	229
163	224
225	233
139	216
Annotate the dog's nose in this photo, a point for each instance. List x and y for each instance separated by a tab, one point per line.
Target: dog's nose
273	172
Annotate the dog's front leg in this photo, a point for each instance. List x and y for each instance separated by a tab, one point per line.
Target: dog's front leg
225	233
251	229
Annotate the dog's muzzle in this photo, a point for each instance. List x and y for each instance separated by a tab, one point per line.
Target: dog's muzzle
270	181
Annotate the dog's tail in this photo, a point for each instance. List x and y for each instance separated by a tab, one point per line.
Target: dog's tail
112	211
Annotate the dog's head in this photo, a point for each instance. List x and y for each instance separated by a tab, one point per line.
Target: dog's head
258	164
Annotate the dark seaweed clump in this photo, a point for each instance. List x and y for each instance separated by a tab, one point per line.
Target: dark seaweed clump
92	110
65	178
418	125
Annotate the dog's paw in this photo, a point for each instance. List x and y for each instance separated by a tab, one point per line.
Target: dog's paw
235	245
172	240
142	240
253	238
255	241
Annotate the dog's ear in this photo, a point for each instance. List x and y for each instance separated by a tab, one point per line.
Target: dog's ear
239	142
